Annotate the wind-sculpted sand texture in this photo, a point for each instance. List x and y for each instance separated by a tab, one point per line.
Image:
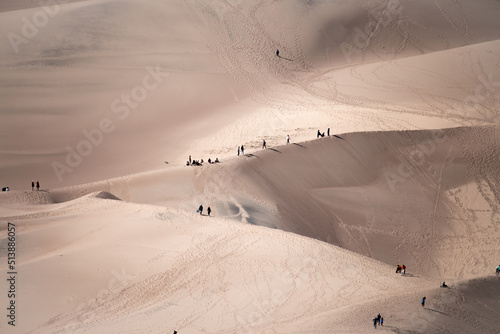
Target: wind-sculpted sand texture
427	196
104	101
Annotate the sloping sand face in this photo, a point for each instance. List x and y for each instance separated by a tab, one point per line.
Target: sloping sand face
103	101
415	198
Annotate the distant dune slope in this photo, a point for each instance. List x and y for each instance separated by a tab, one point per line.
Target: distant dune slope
427	199
107	79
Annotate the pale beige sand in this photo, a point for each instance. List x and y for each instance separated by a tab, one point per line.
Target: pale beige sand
111	244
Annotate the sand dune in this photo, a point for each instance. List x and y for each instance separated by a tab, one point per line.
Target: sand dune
104	100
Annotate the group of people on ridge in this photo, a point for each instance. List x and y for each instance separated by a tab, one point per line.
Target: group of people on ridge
33	185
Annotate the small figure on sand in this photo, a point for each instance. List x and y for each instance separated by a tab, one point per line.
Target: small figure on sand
209	210
242	150
238	151
277	53
403	269
423	302
398	269
497	271
32	185
288	139
328	132
375	323
443	285
200	209
263	143
37	185
381	321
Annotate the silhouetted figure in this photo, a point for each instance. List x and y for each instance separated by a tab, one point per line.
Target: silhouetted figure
263	143
423	302
242	150
37	185
375	323
277	53
238	151
287	139
398	269
200	209
328	132
189	159
381	321
318	134
32	185
209	210
444	285
404	269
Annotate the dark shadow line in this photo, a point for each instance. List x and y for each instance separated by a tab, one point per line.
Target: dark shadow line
433	310
273	149
251	155
285	58
338	137
300	145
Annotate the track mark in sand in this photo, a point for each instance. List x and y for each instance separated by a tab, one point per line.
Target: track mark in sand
436	204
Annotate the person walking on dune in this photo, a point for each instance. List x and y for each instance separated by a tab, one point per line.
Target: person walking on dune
37	185
277	53
403	269
288	139
328	132
423	302
200	210
263	143
32	185
242	150
238	151
209	210
375	323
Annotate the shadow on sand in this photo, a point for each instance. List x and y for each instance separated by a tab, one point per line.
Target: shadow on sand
300	145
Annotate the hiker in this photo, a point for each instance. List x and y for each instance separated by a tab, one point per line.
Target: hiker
37	185
190	160
242	150
404	269
378	317
375	323
216	160
263	143
497	271
209	161
238	151
423	302
209	210
200	209
444	285
32	185
328	132
277	53
381	321
287	139
318	134
398	269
